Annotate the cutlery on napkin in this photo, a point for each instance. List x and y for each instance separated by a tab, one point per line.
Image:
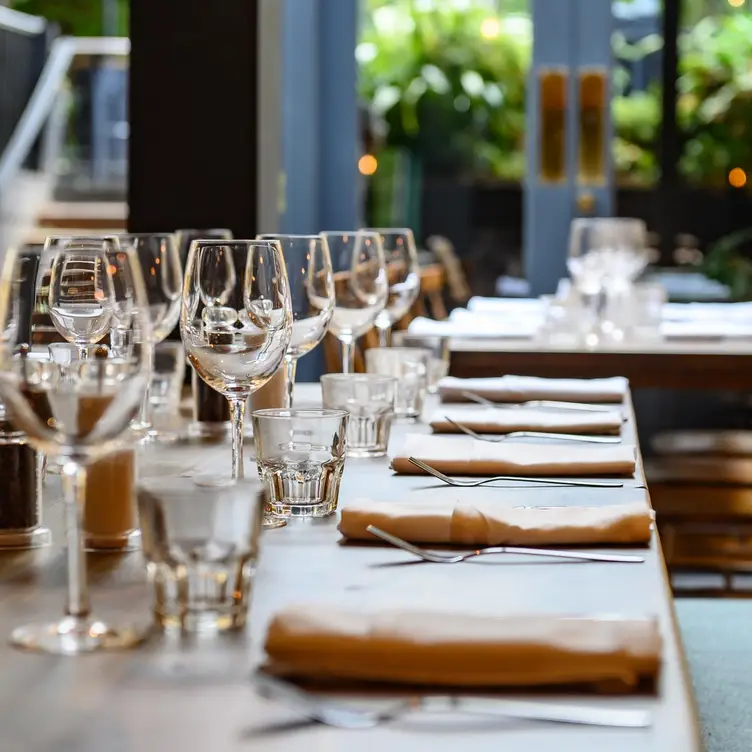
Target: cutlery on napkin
487	523
490	420
461	455
462	650
523	388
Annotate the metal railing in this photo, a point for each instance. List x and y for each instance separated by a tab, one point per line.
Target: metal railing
24	186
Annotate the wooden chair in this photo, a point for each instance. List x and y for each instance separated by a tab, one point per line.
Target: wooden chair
701	489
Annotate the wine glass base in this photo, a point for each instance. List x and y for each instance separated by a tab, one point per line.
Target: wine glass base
75	635
271	522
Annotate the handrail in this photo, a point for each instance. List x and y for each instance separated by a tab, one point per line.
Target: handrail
23	23
42	101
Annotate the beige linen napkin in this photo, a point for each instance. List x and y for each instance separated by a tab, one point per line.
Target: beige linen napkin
500	420
462	650
490	524
524	388
462	455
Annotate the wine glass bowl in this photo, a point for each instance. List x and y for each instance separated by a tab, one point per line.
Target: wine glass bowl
403	274
360	286
81	294
309	272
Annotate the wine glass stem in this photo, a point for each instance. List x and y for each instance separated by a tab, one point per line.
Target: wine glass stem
290	365
384	336
74	489
83	351
348	351
237	416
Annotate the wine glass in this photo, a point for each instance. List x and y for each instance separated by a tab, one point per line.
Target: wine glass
236	320
78	414
360	286
403	273
163	280
81	294
309	271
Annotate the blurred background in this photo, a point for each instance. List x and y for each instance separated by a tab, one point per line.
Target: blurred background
443	92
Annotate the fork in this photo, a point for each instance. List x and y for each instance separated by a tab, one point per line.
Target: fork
537	403
438	558
535	435
549	481
345	716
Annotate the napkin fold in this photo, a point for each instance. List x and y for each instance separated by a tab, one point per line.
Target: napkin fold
462	455
500	420
490	524
462	650
523	388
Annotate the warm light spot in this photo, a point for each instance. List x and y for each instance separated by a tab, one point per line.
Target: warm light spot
736	3
490	28
112	269
368	164
737	177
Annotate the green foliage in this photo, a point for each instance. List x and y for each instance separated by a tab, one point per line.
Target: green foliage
726	263
456	100
81	18
715	97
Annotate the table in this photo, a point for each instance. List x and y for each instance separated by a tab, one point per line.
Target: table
194	695
671	364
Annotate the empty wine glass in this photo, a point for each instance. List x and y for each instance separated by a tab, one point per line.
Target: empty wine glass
77	413
236	320
163	280
81	295
403	273
360	286
309	271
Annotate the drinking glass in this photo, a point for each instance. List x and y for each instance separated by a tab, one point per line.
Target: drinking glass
360	286
163	278
236	321
167	377
410	366
78	414
200	540
309	270
403	274
301	457
369	400
81	296
440	355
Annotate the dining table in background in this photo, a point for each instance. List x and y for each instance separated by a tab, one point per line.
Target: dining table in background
195	693
702	364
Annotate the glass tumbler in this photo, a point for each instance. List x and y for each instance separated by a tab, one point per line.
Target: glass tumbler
440	354
369	400
410	366
200	540
301	457
168	372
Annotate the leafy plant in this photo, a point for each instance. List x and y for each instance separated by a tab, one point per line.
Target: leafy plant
75	17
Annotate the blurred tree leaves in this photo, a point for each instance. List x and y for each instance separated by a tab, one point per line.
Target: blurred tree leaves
81	18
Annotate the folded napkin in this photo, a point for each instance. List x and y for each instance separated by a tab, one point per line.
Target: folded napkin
490	524
496	420
461	455
523	388
462	650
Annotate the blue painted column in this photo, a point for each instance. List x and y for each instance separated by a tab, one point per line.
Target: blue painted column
320	128
571	35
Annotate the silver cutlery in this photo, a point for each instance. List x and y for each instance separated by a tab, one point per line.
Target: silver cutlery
344	716
535	435
439	558
553	404
525	479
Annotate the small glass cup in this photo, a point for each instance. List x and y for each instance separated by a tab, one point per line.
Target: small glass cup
440	354
200	540
648	299
410	366
301	457
369	399
167	376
